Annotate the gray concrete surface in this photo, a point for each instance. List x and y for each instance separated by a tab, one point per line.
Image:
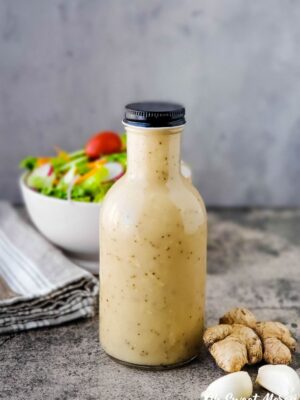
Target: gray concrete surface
252	261
68	67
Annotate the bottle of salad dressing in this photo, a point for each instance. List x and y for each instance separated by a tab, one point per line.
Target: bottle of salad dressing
152	247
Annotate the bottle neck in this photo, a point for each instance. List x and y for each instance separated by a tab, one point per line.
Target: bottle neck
153	154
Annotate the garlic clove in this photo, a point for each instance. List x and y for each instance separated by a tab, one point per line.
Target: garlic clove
237	385
281	380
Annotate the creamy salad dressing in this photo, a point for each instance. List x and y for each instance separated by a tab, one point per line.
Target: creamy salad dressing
153	256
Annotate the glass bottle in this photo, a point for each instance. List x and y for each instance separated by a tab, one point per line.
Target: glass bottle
153	231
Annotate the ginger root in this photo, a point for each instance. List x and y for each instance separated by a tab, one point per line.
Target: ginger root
233	346
240	339
277	341
241	316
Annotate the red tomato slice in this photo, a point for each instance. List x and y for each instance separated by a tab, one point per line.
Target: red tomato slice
106	142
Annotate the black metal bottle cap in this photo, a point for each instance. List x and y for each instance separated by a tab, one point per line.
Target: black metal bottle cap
154	114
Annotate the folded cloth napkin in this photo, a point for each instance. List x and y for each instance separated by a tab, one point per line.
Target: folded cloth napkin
39	286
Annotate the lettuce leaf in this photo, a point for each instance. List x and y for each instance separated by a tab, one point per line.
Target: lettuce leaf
28	163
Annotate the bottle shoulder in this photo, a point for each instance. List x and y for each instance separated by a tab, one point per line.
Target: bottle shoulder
156	200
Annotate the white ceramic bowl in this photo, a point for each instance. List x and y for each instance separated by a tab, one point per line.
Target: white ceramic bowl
71	225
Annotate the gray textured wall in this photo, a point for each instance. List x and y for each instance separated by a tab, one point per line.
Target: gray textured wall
68	67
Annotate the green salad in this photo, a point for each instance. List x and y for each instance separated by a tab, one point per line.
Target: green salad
83	175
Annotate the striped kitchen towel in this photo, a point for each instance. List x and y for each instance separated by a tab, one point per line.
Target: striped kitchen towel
39	286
